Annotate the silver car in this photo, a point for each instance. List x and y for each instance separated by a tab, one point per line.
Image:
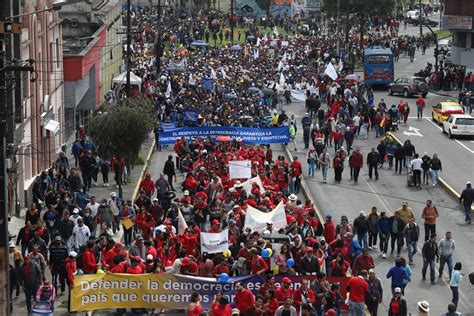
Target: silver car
409	86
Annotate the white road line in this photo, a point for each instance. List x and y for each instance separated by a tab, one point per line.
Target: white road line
457	141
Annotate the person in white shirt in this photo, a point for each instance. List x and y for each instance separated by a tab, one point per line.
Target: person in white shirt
415	165
80	234
93	206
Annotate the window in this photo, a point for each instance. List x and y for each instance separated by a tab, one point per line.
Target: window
459	39
378	59
111	53
58	62
465	121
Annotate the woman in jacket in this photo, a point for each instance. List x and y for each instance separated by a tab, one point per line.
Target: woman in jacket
398	305
372	218
456	278
282	257
338	165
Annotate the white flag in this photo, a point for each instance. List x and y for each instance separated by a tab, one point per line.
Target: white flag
256	54
182	226
257	220
168	90
191	80
275	31
223	73
213	74
331	71
282	79
341	65
215	242
258	41
280	65
284	57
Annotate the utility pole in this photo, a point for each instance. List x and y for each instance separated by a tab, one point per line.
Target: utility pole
158	42
338	27
129	48
232	22
421	20
347	4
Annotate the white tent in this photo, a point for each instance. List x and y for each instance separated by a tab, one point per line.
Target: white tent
134	79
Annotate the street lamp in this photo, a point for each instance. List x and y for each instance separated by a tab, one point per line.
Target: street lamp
56	6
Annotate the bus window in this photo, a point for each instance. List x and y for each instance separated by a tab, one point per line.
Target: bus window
378	59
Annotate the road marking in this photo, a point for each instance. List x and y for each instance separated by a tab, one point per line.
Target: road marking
457	141
413	131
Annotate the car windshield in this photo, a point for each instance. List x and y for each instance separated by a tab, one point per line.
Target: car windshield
451	107
465	121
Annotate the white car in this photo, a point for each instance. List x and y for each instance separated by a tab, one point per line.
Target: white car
413	14
459	125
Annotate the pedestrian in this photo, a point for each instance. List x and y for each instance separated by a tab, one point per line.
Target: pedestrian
375	293
312	159
58	254
292	131
338	165
416	167
466	198
430	214
396	232
361	227
430	254
409	151
325	163
398	305
406	213
456	278
397	274
356	161
372	163
399	158
411	232
31	277
426	160
436	169
446	248
452	310
169	170
420	105
373	217
357	288
243	298
383	227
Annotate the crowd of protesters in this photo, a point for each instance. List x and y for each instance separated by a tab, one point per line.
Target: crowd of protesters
71	232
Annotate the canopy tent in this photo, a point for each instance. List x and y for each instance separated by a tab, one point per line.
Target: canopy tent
134	79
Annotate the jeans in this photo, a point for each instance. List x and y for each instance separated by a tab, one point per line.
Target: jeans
467	211
408	161
30	294
356	309
398	238
356	174
378	131
324	170
431	263
372	239
434	176
373	167
311	168
411	249
363	240
446	260
384	238
419	112
127	235
398	165
455	291
337	145
426	174
429	229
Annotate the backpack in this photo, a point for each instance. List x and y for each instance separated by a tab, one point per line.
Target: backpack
471	278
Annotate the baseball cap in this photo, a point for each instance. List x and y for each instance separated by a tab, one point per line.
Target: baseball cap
286	280
398	290
149	257
58	238
118	244
11	244
73	254
186	192
215	222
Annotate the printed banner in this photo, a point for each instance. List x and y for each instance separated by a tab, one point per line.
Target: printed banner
248	135
168	126
240	169
191	116
215	242
257	220
164	291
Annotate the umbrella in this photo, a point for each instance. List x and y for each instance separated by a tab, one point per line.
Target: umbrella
352	77
236	47
223	139
200	44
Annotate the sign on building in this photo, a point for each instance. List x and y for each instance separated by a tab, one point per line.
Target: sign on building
459	22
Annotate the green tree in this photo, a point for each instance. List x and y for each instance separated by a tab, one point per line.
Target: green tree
120	131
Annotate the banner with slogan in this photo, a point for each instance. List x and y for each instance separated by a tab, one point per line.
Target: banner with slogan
240	169
167	126
215	242
248	135
247	185
257	220
165	291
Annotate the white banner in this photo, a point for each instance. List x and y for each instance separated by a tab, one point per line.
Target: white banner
331	71
247	185
182	225
240	169
215	242
257	220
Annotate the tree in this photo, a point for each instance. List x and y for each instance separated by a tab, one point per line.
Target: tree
121	130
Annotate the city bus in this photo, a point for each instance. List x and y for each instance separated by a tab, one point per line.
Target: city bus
378	66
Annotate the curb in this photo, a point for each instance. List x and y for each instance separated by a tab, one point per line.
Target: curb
449	189
443	94
144	169
304	187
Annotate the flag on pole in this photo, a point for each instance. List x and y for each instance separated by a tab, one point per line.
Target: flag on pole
256	54
282	79
258	41
275	31
223	73
168	90
213	74
191	80
341	65
280	65
331	71
182	226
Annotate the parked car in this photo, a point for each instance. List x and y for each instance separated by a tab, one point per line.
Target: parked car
426	21
443	110
459	125
413	14
444	45
409	86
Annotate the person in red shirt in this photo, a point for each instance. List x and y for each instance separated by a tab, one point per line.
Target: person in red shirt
257	263
222	267
420	105
329	229
189	267
135	266
338	137
108	260
284	290
357	288
147	185
243	298
356	161
89	265
222	308
215	227
71	268
303	295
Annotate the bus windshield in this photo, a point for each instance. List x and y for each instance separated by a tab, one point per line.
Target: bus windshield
378	59
378	66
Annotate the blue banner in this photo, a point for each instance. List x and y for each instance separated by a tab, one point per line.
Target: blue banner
207	83
191	116
167	126
248	135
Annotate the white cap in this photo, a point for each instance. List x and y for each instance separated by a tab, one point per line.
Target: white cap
73	254
113	194
11	244
362	213
75	211
186	192
149	257
292	197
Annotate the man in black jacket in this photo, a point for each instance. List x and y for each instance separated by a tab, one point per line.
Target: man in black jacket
372	162
467	197
57	255
396	232
309	263
430	253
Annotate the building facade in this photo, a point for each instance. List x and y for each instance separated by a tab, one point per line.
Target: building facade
458	18
39	131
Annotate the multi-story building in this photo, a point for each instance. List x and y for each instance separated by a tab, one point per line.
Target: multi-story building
39	110
92	49
458	18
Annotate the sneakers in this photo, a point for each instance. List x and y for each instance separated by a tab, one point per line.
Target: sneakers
370	247
384	255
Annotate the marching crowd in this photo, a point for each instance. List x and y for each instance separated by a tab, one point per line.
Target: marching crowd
74	232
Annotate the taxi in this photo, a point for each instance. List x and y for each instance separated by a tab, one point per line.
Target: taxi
443	110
